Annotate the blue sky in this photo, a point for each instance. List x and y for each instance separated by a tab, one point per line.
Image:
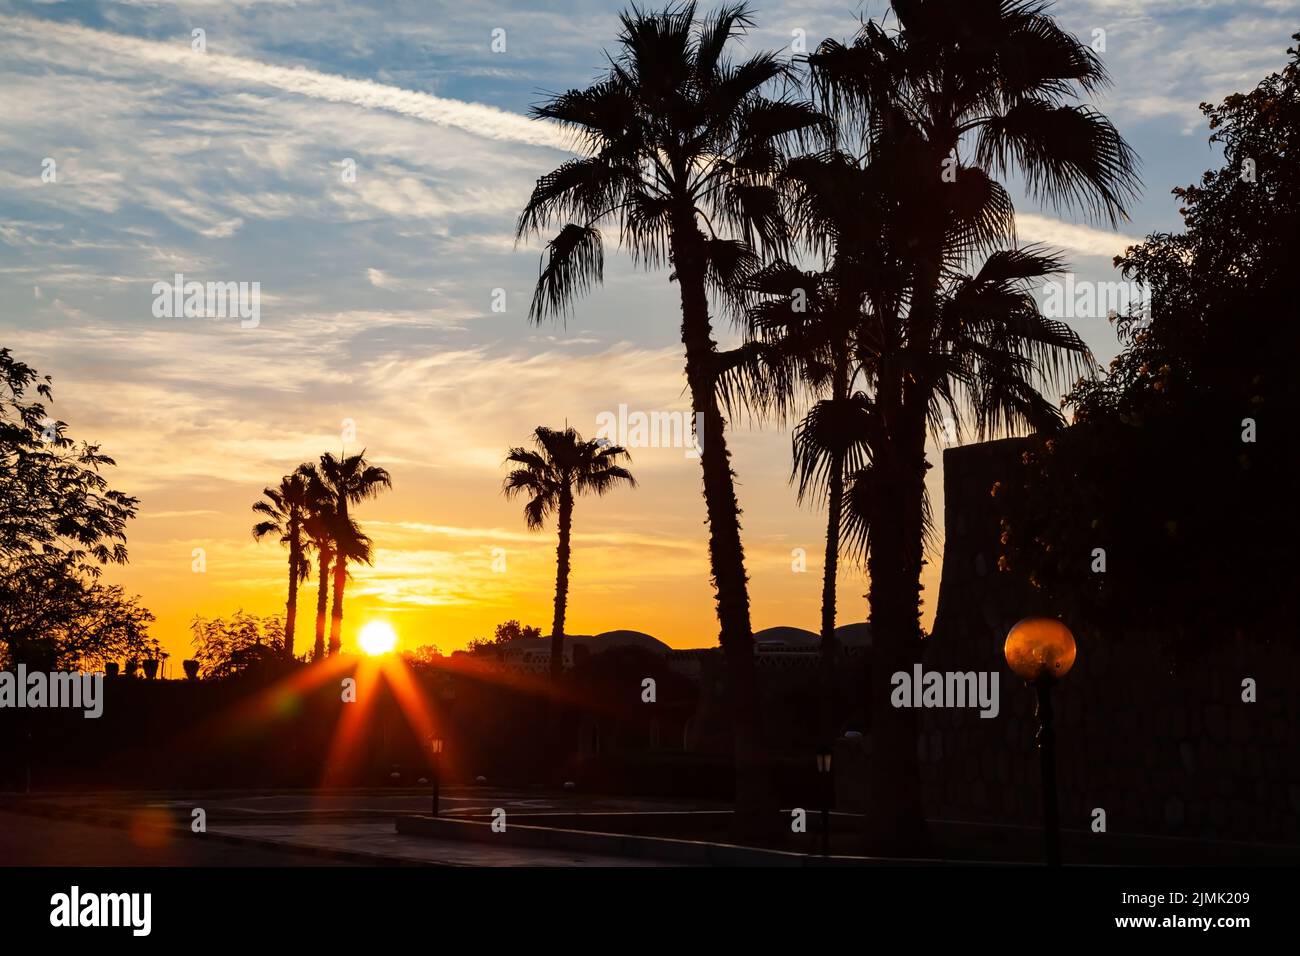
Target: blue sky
377	294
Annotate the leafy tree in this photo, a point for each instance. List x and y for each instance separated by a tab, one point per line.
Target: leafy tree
57	618
560	467
56	504
423	656
504	634
60	522
1196	520
225	647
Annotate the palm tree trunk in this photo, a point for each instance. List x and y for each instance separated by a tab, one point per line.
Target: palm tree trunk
291	605
830	567
322	596
336	608
561	584
896	818
755	800
829	645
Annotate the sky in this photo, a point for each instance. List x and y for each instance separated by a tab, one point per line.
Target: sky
393	302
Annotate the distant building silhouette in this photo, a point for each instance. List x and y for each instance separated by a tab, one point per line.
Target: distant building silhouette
780	646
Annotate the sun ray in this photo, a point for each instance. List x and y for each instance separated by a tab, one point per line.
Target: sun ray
352	721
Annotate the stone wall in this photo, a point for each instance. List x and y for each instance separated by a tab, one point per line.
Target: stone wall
1162	749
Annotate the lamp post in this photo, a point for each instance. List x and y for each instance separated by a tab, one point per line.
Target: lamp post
1041	650
435	751
824	777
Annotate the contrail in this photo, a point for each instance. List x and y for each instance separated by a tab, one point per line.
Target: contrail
476	118
1083	240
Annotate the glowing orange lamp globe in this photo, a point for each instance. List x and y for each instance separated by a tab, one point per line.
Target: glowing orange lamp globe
1040	647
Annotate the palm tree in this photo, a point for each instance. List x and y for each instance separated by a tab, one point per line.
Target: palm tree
831	442
677	141
322	539
822	329
319	528
347	480
329	538
284	510
350	546
995	80
562	466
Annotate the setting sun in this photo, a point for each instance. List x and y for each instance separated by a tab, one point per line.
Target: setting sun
377	637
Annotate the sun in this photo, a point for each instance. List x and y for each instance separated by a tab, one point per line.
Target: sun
377	637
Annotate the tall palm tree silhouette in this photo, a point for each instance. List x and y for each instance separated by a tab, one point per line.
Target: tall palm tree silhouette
284	509
561	467
679	140
820	324
347	480
994	80
320	532
328	537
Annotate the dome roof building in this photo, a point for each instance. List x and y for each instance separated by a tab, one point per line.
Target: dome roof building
772	644
786	637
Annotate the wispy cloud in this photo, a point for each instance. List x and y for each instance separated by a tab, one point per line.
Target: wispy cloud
377	291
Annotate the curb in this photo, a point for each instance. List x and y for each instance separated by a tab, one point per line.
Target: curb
663	849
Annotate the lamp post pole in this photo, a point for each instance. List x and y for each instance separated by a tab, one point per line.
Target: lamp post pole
1041	650
1047	754
435	751
824	777
434	776
826	826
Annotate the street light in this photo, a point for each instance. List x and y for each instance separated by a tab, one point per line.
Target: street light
435	751
824	755
1041	650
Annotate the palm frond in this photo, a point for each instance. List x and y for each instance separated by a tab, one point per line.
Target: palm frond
574	261
834	433
1071	156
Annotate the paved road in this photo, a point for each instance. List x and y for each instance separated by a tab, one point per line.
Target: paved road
39	841
384	804
382	839
273	829
361	822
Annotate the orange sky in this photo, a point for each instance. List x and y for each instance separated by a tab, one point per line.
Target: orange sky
397	299
639	555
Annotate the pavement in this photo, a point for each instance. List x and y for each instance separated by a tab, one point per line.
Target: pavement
35	841
302	828
381	842
308	805
356	827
